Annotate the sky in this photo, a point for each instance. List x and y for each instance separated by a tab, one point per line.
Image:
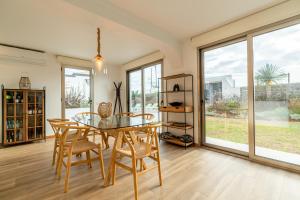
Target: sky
280	47
135	78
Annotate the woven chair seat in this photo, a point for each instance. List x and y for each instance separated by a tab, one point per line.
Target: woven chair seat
141	150
82	146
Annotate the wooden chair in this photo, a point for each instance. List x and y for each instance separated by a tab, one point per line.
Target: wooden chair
95	131
136	151
57	137
74	147
126	114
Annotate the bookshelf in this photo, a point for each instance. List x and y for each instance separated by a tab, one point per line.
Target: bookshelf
185	128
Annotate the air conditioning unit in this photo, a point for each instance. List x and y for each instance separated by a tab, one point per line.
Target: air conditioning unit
22	55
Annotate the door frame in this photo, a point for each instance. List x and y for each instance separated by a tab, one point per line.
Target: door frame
62	99
250	67
202	96
142	67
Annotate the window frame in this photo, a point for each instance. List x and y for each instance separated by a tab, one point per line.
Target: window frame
249	35
142	67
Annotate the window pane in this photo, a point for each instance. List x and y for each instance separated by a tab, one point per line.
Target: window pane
226	105
135	91
77	91
151	88
277	94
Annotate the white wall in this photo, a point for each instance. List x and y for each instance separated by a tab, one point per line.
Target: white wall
104	89
49	75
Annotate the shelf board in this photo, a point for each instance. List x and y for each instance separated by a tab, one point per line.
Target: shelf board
187	127
177	141
176	76
176	109
180	91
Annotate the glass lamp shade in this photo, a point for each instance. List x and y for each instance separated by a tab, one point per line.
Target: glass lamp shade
98	62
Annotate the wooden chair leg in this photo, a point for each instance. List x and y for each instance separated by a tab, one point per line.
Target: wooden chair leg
59	161
135	183
94	136
105	137
159	170
141	164
100	156
68	168
54	152
88	158
114	169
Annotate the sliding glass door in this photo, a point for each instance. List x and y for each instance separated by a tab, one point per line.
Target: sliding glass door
135	91
225	95
251	95
143	86
76	91
277	94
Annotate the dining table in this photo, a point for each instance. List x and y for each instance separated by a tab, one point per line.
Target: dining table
111	125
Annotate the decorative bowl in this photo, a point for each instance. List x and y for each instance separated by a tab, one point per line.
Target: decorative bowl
175	103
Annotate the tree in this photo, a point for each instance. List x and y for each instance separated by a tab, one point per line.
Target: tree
269	74
135	96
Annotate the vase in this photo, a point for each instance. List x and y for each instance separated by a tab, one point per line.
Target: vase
24	83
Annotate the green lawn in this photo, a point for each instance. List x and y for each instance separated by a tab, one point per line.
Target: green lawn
283	138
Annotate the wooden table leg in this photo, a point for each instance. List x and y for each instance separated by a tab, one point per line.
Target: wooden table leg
107	180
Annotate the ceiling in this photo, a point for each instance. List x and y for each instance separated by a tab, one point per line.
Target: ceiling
61	28
130	28
184	19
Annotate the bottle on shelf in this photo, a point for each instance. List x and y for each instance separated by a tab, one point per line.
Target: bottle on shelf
10	124
9	98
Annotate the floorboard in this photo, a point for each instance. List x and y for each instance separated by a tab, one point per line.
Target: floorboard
195	173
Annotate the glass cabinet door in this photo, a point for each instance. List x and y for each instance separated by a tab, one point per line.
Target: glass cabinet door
39	114
31	115
14	103
20	116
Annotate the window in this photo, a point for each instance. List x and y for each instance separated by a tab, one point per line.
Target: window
251	95
76	91
277	94
225	91
143	86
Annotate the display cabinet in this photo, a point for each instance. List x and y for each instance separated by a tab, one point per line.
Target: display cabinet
23	115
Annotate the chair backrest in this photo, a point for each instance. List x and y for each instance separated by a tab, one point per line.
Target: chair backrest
105	109
147	116
128	136
65	128
126	114
55	120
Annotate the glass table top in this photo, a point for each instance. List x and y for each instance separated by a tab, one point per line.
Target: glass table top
113	122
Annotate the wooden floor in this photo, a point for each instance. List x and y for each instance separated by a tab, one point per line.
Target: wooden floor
26	173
